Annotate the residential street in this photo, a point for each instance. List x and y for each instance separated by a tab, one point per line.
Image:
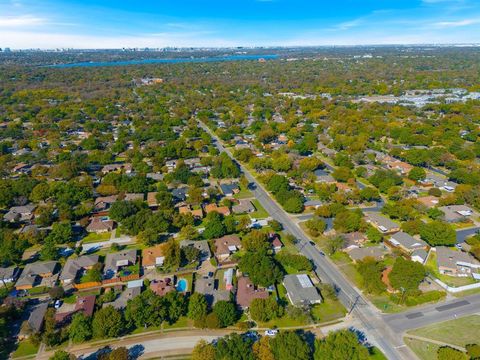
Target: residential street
377	330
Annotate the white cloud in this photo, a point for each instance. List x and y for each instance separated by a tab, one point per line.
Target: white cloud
51	40
458	23
21	21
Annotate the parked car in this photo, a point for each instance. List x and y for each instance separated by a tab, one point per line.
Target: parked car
271	332
57	304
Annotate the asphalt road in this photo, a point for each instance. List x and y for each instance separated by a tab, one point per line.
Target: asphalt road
377	330
426	315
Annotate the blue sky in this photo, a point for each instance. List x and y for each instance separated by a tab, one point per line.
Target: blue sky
182	23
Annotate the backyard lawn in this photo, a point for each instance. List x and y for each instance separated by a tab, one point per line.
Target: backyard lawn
25	348
92	237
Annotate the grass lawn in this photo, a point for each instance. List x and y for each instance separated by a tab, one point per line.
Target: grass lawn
376	354
92	237
458	332
25	348
243	194
424	350
37	290
283	322
328	310
219	276
431	266
70	299
319	240
181	323
260	213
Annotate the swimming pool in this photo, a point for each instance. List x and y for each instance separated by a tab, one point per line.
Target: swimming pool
182	285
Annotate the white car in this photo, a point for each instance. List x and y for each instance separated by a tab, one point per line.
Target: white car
57	304
271	332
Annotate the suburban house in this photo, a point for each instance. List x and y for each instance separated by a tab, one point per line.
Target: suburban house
201	245
34	273
20	213
85	304
276	242
457	263
103	203
300	290
162	287
73	266
35	320
224	210
353	240
187	209
152	199
98	225
243	206
246	292
428	201
360	253
406	242
180	194
207	286
381	223
400	166
419	255
226	246
229	189
134	197
312	204
455	213
324	177
153	256
127	168
121	301
114	262
9	275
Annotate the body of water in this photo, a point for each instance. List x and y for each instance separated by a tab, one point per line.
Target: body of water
165	61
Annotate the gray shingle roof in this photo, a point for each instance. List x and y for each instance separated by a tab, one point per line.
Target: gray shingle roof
301	290
407	241
72	266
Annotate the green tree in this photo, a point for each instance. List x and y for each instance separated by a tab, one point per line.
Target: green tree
107	323
261	268
437	233
406	274
371	272
203	351
119	353
265	309
234	347
289	345
61	233
214	227
417	174
315	226
226	313
349	221
340	345
449	353
62	355
197	307
80	329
